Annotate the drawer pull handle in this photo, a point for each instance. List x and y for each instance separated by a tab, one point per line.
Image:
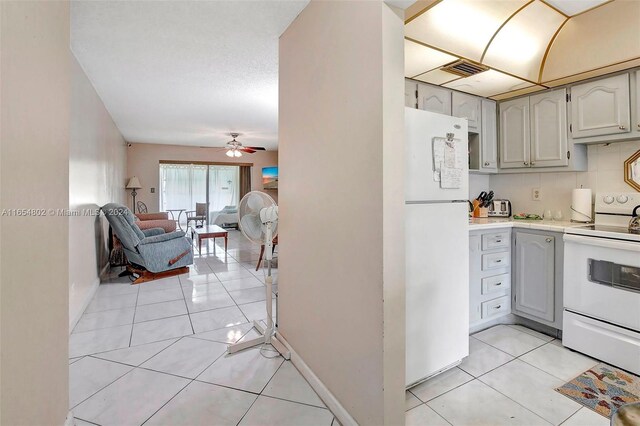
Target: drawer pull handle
498	260
498	241
497	284
497	307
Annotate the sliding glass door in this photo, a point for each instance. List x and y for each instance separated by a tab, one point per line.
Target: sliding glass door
184	185
223	187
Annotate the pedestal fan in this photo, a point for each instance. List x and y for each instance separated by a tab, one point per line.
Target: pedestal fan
258	222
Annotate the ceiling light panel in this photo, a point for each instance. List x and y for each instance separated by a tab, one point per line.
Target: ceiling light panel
520	45
462	27
488	83
436	77
573	7
419	59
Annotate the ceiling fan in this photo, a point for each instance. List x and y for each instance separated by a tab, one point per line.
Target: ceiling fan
235	148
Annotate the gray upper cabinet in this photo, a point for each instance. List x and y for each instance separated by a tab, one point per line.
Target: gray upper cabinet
466	106
410	93
601	107
549	129
434	99
489	136
534	279
514	133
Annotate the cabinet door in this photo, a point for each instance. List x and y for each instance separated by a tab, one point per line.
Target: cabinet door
549	129
466	106
514	134
410	97
434	99
489	136
534	275
600	107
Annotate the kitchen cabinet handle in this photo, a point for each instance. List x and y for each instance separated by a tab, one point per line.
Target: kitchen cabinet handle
621	127
498	241
526	163
497	307
533	163
549	240
486	163
498	260
497	284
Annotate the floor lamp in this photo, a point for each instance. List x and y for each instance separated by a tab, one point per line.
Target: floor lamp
134	184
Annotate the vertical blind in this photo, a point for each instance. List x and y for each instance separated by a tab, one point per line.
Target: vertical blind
184	185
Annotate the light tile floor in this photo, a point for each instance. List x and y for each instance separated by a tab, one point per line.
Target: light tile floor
508	379
155	353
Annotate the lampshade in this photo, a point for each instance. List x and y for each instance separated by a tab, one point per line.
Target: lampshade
134	183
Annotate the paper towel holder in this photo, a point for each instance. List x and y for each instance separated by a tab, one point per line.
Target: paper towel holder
579	213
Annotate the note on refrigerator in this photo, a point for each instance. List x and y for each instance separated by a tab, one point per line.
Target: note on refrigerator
450	177
450	154
438	156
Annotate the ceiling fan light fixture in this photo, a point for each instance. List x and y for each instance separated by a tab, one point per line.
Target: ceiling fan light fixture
230	153
237	153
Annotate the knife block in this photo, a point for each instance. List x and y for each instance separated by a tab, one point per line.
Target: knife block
476	206
479	211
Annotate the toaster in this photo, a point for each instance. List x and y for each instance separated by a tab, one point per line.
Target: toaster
500	208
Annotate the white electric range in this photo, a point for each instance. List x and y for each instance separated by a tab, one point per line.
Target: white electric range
602	284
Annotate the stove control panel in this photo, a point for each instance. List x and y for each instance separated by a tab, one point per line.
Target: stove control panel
616	202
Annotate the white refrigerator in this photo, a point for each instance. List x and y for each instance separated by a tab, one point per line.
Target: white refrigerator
437	248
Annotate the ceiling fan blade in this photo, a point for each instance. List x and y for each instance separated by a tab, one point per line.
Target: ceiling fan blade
257	148
247	150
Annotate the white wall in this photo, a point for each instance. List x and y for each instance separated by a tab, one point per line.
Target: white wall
605	173
97	165
34	174
341	244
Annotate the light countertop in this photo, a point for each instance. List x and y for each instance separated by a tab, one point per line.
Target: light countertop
478	224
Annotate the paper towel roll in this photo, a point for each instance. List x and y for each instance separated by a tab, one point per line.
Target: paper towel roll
581	205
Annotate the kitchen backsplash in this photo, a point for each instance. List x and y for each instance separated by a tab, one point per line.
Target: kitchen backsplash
605	174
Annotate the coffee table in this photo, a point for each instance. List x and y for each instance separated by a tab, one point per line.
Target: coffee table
211	231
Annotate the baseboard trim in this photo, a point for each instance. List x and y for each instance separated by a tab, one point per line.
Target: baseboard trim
323	392
69	421
92	292
104	270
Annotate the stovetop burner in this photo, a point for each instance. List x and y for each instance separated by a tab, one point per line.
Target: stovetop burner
605	231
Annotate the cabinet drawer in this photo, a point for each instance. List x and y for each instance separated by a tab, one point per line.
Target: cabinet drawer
496	283
495	307
495	240
496	260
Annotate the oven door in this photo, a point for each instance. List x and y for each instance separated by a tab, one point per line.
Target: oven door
602	279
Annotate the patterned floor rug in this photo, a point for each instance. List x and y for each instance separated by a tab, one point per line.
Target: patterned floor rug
603	389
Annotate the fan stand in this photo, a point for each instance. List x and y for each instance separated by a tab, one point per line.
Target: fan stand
268	335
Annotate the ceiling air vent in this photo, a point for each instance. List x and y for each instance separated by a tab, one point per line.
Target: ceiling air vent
464	68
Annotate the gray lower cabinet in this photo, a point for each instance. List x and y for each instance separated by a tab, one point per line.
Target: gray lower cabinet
489	275
537	276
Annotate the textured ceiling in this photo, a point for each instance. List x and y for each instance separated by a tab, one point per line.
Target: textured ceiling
182	72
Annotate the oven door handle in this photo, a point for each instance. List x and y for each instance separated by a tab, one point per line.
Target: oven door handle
602	242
